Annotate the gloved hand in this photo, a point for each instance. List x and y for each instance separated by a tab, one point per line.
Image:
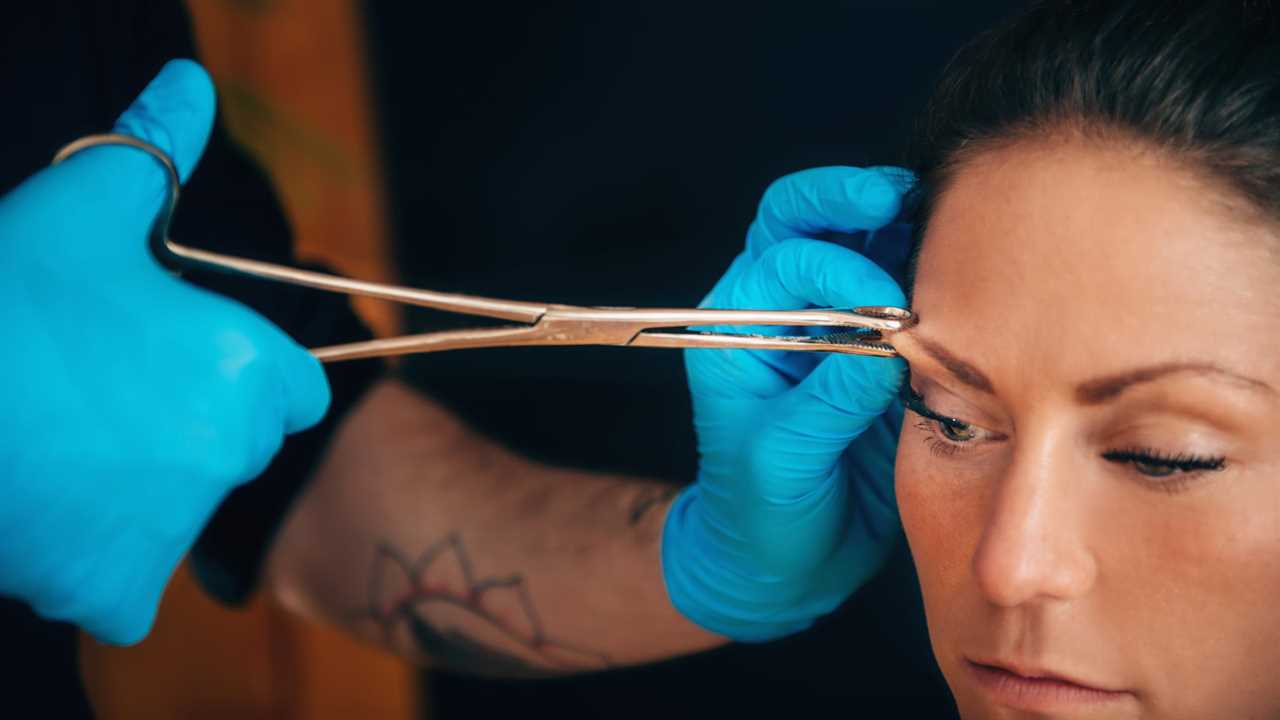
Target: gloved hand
793	508
133	402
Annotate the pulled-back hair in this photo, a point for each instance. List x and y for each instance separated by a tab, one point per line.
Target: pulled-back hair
1196	79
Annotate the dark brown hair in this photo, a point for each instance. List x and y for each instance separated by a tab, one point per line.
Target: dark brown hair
1199	79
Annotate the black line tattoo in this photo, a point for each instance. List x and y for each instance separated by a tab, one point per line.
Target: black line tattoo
648	500
453	646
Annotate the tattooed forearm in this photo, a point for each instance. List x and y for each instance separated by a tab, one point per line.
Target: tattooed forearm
481	624
545	571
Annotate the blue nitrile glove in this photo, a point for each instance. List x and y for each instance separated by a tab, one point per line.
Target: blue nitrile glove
133	401
793	508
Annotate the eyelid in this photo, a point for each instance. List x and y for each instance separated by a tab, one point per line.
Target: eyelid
985	421
916	403
1221	413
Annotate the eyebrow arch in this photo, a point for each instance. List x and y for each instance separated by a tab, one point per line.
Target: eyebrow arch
963	371
1100	390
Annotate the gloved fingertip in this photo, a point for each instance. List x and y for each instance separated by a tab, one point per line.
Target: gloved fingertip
822	274
135	631
877	198
901	178
126	626
853	386
175	112
887	375
307	390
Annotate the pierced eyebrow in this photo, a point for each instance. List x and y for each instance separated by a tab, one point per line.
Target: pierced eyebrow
1100	390
963	370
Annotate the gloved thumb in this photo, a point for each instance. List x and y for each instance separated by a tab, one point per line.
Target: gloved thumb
175	113
98	204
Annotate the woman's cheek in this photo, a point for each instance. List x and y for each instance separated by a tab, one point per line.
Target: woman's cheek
919	501
938	513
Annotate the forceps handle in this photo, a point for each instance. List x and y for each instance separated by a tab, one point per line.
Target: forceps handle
177	257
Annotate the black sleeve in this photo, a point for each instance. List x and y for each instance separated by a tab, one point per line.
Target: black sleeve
70	68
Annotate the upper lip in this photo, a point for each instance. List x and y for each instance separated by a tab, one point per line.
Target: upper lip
1031	671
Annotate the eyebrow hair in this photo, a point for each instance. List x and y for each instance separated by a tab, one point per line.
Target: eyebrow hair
1098	390
963	371
1107	388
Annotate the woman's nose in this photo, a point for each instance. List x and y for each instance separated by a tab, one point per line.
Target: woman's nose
1032	548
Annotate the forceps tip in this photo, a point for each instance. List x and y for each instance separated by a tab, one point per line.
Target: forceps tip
902	318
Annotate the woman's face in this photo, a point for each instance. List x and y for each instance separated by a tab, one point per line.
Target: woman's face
1100	535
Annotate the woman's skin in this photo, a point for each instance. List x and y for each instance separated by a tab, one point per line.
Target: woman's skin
1081	295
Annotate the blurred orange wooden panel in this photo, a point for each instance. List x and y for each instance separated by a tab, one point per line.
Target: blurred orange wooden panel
293	87
203	660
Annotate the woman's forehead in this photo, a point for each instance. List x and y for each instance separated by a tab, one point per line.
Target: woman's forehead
1095	256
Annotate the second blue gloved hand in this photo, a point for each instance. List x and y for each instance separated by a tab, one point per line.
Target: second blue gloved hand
793	508
134	402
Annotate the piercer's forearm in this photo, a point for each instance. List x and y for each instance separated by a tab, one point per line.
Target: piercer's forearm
421	535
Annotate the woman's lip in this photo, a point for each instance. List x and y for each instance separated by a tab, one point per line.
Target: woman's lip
1027	688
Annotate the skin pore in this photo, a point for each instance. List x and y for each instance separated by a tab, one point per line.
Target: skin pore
1090	484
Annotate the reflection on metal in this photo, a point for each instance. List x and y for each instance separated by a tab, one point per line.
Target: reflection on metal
866	330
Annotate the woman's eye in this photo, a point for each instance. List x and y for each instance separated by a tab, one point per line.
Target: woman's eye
958	432
947	435
1155	464
1154	469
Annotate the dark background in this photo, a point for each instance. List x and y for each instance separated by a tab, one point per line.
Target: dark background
613	154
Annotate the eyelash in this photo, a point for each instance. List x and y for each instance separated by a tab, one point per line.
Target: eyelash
1173	471
936	424
938	445
1178	469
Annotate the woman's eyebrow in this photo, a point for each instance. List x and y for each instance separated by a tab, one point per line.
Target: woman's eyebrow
1098	390
963	370
1092	392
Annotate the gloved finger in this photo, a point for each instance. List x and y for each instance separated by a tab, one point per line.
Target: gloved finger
800	273
113	192
125	617
816	421
175	113
812	202
796	274
843	393
306	386
289	375
124	626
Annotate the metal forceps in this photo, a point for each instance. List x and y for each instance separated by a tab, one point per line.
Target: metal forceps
864	330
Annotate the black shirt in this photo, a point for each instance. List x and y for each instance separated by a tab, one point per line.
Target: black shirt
68	69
